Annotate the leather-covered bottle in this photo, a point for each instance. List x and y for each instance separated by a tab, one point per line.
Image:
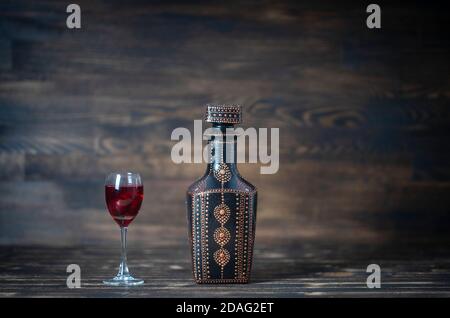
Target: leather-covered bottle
221	208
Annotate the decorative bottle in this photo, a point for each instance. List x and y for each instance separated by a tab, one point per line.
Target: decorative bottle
221	207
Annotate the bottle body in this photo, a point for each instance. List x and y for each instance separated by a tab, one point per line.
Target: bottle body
221	231
221	212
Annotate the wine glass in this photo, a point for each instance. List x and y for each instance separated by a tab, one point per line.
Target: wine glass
123	193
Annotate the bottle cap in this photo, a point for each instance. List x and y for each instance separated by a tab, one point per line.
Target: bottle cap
227	113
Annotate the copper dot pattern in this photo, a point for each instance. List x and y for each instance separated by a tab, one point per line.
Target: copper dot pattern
222	236
222	173
222	213
222	257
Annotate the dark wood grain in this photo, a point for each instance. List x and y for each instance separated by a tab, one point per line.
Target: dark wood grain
308	270
363	115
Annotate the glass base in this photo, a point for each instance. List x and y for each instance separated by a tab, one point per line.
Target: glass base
123	281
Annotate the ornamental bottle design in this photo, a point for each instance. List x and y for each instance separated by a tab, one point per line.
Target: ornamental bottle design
221	208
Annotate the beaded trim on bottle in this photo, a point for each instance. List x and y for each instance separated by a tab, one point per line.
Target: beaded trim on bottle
222	213
229	114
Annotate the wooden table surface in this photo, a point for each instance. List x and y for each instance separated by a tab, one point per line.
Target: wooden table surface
291	270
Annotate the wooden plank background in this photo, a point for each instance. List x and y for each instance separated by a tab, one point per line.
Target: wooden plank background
363	115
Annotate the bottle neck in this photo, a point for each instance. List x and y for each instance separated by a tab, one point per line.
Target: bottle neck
223	149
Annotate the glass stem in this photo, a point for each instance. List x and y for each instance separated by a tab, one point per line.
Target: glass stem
123	269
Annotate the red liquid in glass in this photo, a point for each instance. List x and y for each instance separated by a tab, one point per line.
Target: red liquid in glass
124	203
